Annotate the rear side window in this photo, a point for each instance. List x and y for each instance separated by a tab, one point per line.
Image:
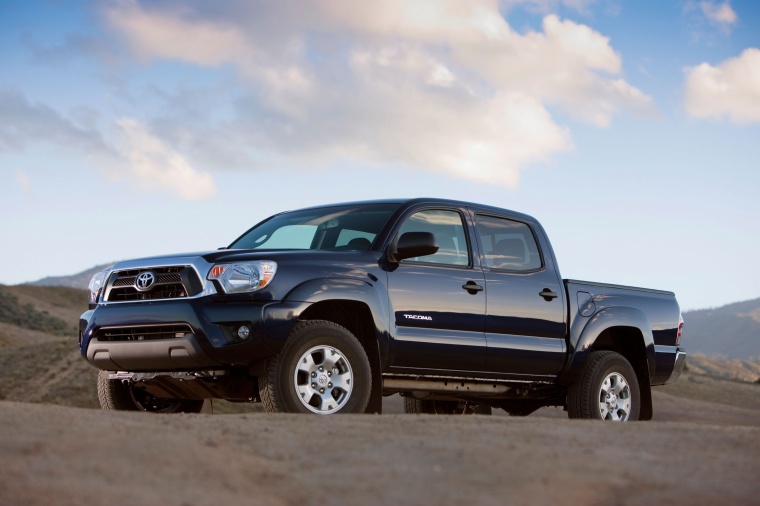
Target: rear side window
508	245
448	229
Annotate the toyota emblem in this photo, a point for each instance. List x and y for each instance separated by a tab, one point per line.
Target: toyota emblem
145	280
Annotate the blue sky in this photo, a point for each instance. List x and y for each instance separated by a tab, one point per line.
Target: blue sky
631	129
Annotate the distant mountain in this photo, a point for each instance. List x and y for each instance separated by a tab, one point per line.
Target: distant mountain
731	331
734	369
81	280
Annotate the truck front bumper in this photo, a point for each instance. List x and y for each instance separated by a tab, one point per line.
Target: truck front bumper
177	334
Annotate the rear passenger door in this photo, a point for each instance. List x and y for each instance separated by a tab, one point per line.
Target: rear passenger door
438	322
525	331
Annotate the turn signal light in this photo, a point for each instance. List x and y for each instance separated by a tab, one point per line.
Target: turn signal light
243	277
217	271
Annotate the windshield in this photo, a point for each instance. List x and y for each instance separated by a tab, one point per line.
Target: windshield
352	227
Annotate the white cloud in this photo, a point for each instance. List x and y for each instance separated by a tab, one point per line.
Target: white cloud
719	14
157	167
22	179
731	89
26	123
430	84
547	6
706	18
150	162
199	42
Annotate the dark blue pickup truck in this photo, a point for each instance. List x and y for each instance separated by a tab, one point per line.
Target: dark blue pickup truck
458	307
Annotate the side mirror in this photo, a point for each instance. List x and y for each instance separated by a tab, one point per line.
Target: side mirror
413	244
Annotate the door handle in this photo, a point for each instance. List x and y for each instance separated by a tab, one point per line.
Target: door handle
548	295
472	287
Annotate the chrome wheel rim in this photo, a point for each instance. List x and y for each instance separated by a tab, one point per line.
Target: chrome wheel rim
615	398
323	380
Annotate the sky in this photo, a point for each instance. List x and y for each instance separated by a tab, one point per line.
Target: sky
630	129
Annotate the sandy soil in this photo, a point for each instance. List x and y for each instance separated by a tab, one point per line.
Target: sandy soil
702	448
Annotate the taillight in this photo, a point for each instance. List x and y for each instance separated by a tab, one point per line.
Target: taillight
680	330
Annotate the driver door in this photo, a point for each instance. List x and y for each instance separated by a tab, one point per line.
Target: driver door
438	323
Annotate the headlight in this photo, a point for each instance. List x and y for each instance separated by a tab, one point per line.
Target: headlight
96	284
243	277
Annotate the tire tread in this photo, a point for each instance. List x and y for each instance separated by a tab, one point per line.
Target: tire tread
426	407
112	395
580	395
414	406
269	383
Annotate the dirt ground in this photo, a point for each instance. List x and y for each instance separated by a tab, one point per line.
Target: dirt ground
702	448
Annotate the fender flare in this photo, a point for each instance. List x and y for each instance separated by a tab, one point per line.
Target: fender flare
313	291
343	288
327	288
605	319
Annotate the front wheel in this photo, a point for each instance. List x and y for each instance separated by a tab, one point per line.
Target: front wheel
322	369
123	396
607	389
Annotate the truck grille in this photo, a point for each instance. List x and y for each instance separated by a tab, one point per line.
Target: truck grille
167	283
143	332
161	279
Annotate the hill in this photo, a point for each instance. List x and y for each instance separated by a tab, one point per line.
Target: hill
80	280
734	369
39	353
40	359
731	331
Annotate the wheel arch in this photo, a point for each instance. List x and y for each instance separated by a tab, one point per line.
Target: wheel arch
626	331
355	305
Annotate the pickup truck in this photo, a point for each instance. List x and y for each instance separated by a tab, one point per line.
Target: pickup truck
457	307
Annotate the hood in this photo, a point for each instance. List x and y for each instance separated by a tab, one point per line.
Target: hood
208	258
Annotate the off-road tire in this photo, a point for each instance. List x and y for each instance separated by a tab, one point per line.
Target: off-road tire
425	407
115	395
307	353
586	397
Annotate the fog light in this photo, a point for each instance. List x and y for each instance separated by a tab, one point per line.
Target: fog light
243	332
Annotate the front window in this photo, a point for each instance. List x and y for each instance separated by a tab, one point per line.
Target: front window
448	229
338	228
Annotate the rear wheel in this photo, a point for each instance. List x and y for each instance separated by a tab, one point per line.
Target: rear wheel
322	369
123	396
607	389
420	407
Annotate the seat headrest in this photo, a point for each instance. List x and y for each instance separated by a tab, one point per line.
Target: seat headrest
508	252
